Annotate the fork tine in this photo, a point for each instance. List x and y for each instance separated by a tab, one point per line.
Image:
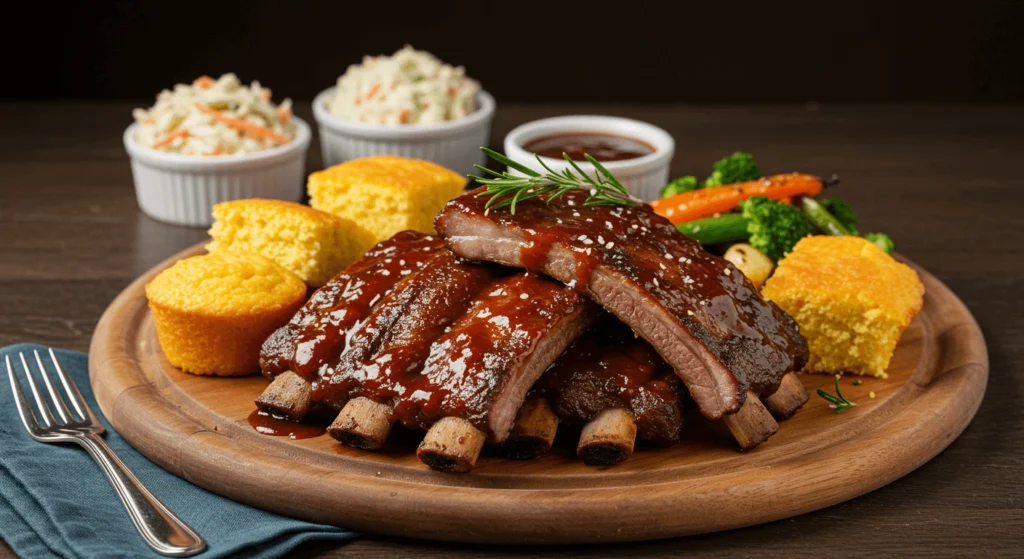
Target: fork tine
44	410
55	398
77	400
28	419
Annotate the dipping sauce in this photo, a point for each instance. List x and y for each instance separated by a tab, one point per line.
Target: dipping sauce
274	426
602	147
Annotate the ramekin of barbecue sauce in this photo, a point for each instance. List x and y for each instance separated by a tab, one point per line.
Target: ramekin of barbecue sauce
637	153
600	146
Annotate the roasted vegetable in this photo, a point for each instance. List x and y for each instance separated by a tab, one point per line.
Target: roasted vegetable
725	228
774	227
771	227
842	212
822	218
734	168
882	240
831	225
680	185
707	202
753	263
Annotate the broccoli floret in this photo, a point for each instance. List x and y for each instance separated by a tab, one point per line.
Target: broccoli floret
774	227
734	168
680	185
882	240
843	214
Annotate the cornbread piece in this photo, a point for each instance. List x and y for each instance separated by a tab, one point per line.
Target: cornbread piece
311	244
385	194
212	312
851	300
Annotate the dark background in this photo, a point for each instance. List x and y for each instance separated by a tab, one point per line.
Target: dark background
539	52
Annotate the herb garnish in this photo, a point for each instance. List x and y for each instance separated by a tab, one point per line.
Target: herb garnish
838	401
506	189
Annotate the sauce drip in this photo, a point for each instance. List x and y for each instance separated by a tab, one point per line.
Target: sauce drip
274	426
603	147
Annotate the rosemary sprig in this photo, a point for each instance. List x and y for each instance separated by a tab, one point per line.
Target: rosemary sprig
838	401
507	190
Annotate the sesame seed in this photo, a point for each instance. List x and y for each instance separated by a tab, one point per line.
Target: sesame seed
728	272
871	394
689	313
523	296
668	255
609	245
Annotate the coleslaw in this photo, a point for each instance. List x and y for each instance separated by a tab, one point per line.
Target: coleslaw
409	87
215	117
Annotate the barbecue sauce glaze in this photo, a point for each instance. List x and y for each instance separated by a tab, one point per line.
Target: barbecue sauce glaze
455	351
318	332
603	147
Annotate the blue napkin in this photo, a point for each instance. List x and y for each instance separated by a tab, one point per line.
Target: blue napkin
55	501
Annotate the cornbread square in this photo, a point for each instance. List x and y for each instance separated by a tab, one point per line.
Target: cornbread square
851	300
212	312
385	194
311	244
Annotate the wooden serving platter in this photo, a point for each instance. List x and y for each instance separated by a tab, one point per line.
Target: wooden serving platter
197	428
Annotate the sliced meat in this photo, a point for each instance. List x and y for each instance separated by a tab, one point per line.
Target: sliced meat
697	310
609	368
395	340
318	331
482	368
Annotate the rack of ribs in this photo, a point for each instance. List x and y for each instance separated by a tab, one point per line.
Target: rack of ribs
457	363
611	383
728	345
318	333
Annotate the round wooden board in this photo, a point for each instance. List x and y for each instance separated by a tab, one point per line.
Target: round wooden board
196	427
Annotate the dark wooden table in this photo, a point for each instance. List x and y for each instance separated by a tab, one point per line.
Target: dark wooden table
944	182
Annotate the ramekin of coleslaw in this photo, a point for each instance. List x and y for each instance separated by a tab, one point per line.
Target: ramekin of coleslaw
409	104
212	141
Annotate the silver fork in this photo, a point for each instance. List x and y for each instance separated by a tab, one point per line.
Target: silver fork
161	529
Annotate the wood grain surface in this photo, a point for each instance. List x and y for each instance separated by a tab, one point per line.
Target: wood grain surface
196	427
942	180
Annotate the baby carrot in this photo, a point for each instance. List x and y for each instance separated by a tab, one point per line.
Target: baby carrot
706	202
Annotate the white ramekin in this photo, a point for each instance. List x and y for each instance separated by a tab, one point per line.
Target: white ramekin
454	144
644	176
182	189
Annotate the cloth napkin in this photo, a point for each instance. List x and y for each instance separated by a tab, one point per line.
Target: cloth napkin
55	501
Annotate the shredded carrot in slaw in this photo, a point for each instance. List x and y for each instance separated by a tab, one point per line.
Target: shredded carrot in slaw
245	127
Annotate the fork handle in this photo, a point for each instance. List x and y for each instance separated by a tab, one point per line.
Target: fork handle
158	526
